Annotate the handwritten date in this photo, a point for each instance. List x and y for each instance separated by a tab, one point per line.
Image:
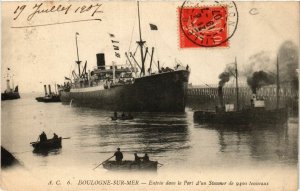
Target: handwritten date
41	8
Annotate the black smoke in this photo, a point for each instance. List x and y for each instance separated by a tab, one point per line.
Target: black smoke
259	61
259	79
261	68
226	75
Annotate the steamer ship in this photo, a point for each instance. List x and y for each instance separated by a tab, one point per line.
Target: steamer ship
255	114
11	92
49	98
118	88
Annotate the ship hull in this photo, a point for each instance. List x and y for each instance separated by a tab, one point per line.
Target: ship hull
251	116
47	99
10	96
165	92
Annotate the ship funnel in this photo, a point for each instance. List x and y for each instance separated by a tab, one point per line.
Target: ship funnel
45	88
17	89
220	94
100	61
49	89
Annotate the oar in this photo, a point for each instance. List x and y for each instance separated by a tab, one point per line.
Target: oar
104	162
36	141
160	164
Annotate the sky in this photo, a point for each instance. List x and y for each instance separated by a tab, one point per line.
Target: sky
45	54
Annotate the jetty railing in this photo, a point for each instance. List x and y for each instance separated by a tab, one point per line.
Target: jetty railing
207	97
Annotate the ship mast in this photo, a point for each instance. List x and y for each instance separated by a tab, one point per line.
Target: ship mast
78	61
8	89
237	86
141	42
277	84
12	82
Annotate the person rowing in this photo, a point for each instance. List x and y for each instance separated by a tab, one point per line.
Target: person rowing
137	158
43	137
119	155
55	136
146	158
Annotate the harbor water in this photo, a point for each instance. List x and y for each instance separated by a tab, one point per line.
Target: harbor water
172	139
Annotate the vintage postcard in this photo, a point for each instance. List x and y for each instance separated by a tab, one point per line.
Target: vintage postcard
149	95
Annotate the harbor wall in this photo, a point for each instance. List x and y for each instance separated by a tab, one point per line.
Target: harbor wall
206	98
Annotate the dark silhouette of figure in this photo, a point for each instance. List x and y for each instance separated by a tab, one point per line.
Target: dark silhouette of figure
123	115
187	67
55	136
146	157
43	137
119	155
252	103
115	114
137	158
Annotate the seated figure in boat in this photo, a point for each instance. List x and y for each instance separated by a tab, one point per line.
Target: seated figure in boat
137	158
119	155
55	136
146	158
43	137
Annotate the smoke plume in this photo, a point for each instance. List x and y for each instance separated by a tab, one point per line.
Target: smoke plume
261	68
288	63
259	61
259	79
227	74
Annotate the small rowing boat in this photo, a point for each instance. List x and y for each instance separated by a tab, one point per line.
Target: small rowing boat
54	143
130	165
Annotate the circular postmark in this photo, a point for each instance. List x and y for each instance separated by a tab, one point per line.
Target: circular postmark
208	24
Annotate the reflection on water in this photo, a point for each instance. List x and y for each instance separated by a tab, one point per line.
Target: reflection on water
46	152
171	138
153	133
260	141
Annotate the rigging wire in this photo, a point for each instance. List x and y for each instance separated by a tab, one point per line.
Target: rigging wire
130	43
134	22
135	50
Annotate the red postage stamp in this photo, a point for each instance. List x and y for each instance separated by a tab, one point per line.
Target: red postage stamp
206	25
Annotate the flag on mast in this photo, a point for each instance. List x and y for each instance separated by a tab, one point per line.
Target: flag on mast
153	27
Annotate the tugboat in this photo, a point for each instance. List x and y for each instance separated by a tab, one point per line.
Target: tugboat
256	114
51	97
10	93
120	88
